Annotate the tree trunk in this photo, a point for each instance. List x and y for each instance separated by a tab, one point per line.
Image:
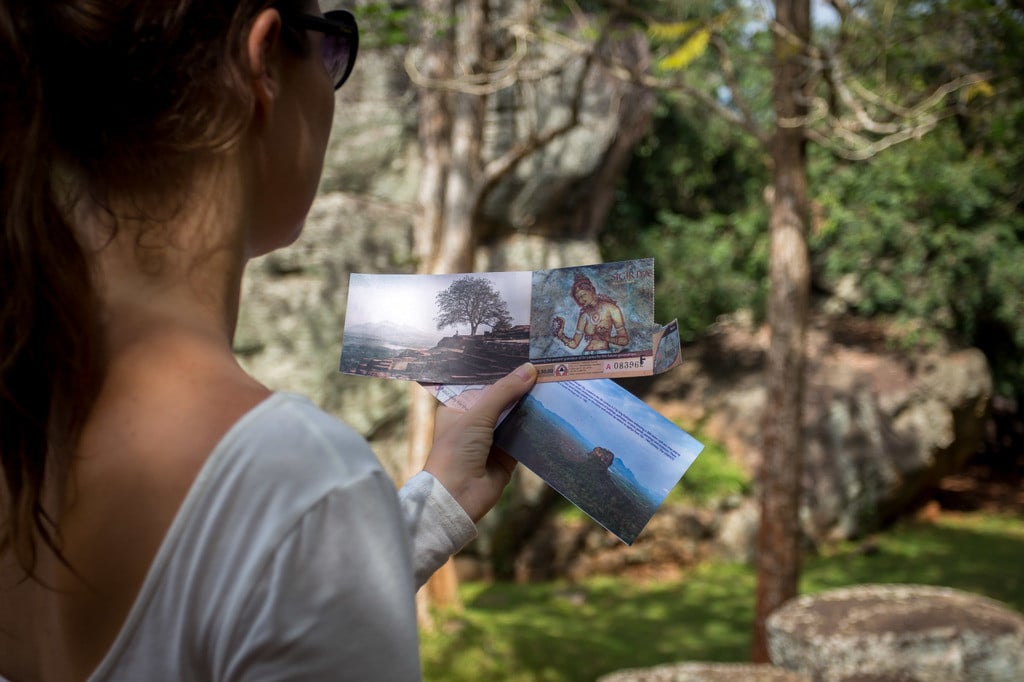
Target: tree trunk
464	181
451	133
433	133
778	565
455	181
435	148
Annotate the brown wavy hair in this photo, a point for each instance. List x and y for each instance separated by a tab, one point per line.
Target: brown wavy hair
116	101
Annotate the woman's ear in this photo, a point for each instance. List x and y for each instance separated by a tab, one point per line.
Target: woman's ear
263	48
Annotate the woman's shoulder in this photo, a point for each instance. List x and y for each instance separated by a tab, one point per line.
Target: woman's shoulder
280	460
248	514
287	435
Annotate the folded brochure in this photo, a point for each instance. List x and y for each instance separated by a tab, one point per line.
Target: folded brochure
602	448
584	322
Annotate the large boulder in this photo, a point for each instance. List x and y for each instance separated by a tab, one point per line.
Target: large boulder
910	633
881	427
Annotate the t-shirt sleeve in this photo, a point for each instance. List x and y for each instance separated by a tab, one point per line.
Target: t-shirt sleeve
336	598
438	526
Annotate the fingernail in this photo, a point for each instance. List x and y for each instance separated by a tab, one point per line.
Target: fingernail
526	371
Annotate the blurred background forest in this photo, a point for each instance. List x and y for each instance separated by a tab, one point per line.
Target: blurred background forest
521	134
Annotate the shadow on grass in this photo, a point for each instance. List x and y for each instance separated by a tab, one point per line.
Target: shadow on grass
557	632
563	633
980	554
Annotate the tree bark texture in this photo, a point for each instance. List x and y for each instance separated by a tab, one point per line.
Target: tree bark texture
451	134
457	48
434	132
465	181
778	568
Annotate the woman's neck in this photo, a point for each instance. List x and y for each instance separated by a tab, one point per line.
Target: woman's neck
179	275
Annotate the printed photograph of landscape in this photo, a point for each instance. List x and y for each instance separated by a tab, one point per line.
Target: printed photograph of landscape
601	448
437	328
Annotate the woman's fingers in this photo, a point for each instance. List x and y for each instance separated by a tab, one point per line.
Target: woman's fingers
463	458
500	395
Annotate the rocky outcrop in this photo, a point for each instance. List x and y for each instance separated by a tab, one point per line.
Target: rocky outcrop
910	633
603	455
881	427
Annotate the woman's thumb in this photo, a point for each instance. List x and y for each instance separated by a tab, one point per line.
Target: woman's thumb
501	394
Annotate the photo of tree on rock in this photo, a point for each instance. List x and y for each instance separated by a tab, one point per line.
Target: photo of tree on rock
474	301
468	329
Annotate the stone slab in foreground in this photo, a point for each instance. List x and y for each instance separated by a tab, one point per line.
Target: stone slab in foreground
910	633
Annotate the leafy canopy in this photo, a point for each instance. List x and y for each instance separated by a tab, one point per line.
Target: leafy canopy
928	233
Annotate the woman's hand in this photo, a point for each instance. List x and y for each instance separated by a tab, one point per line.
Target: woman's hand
462	457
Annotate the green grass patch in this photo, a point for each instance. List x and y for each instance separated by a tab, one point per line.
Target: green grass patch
555	632
973	552
560	632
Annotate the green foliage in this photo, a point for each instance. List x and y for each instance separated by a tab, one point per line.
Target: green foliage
505	632
932	231
691	198
929	232
381	24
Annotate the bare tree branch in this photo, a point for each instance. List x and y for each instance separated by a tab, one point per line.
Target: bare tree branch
855	122
622	71
486	83
504	164
729	71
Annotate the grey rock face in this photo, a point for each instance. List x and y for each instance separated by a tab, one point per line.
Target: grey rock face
898	632
880	428
290	326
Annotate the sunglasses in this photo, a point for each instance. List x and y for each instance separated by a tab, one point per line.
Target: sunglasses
340	43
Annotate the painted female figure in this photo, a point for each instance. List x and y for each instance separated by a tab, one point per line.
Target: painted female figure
600	324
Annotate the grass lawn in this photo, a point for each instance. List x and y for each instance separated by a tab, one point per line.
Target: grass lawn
558	632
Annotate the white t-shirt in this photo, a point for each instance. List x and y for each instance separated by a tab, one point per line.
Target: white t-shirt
291	558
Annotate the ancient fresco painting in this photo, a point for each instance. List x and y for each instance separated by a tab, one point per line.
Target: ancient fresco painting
594	320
